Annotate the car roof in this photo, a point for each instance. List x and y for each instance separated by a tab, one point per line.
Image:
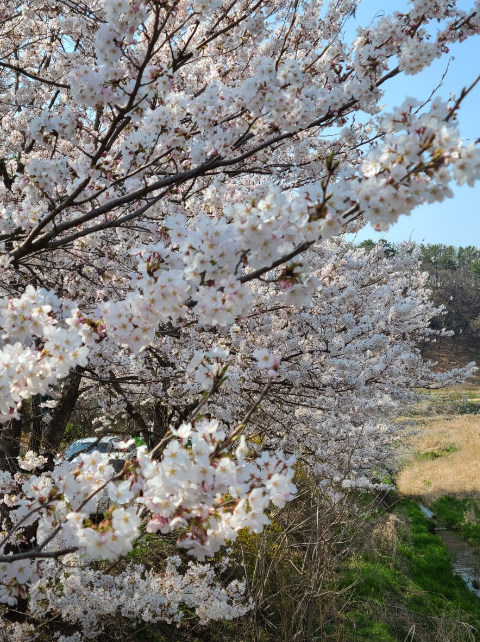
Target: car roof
88	440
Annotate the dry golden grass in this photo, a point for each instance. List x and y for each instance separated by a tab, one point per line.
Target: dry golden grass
455	473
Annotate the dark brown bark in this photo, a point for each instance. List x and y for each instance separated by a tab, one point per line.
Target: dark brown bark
37	425
10	438
161	421
55	429
7	179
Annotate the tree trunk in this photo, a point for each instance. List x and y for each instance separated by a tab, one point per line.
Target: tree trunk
161	416
55	429
10	439
36	430
10	445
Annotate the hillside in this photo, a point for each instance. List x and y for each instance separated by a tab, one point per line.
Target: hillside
454	352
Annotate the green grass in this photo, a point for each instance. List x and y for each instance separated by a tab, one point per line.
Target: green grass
435	454
461	514
417	580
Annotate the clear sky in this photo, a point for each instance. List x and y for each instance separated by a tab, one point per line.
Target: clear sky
455	221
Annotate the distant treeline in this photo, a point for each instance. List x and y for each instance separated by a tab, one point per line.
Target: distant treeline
454	281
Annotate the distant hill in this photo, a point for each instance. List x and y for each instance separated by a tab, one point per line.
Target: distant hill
454	278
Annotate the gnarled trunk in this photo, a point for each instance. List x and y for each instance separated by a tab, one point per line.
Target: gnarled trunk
161	420
55	429
10	437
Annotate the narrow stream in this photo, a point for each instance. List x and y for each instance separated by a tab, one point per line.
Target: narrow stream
463	555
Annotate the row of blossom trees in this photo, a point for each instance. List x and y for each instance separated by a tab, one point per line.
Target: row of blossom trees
172	173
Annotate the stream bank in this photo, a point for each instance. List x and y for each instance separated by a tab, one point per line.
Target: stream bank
409	587
464	558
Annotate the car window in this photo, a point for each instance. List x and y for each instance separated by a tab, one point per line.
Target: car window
101	447
75	448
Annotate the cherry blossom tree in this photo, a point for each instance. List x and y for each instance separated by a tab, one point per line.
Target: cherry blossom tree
329	372
171	174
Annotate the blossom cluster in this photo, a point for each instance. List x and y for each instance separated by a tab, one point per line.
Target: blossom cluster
421	154
198	490
85	597
37	350
179	489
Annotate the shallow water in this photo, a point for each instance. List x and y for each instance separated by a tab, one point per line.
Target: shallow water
464	559
426	511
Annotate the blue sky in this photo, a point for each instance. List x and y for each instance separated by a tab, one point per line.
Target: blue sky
455	221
